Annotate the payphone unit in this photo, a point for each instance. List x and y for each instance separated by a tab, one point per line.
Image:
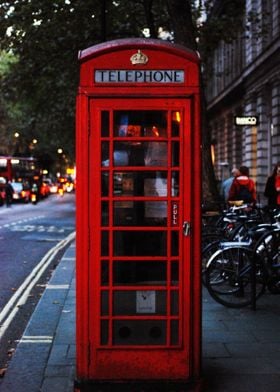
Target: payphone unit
138	213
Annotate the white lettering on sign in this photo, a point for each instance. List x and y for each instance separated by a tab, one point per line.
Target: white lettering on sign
174	214
139	76
246	120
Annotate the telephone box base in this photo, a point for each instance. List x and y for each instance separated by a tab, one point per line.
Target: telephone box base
137	386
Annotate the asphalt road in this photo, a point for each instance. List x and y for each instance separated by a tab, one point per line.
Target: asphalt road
32	238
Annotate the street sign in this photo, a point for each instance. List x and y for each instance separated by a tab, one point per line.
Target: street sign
246	120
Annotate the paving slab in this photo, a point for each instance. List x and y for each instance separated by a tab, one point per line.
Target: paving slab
241	347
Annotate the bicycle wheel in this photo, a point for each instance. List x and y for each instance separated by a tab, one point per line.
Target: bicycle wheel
268	250
208	238
207	252
229	279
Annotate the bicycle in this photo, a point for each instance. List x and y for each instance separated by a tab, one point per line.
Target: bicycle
240	228
238	273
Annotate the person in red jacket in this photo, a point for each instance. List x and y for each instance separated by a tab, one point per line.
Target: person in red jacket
243	187
272	188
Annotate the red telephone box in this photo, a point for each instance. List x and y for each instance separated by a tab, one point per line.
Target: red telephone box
138	214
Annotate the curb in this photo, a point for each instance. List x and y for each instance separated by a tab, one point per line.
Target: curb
45	356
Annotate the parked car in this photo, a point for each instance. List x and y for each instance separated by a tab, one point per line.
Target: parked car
53	188
22	191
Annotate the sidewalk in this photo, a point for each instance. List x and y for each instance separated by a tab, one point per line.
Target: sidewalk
241	347
45	357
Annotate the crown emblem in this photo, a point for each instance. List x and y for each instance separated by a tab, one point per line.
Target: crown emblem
139	58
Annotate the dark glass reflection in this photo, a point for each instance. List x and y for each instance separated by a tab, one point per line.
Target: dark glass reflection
140	243
175	153
141	154
144	183
104	303
105	153
104	183
175	273
174	302
104	243
139	273
139	123
138	213
174	331
175	184
104	273
104	331
105	123
104	213
174	243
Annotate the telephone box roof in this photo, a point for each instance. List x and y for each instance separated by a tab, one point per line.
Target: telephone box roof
137	43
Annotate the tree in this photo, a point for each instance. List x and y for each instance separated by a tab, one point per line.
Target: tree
46	36
10	112
186	32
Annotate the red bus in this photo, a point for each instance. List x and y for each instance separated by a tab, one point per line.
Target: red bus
18	168
23	169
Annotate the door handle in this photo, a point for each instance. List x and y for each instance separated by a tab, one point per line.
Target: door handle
186	228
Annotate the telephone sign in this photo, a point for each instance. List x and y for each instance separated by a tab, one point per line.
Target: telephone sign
139	76
138	183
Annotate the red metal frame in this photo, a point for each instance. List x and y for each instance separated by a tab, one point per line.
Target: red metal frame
112	361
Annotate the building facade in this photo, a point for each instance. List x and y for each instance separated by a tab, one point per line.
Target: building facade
244	80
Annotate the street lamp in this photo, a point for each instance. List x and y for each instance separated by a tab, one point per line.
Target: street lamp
16	143
32	145
60	152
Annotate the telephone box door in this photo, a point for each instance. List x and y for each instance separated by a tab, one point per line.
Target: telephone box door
139	202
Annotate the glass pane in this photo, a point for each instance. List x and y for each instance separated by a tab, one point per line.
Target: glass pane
125	214
156	154
104	303
140	183
138	123
140	154
174	303
139	332
155	184
175	184
175	123
175	273
174	243
104	183
105	153
174	330
104	273
131	303
105	123
105	213
104	243
104	328
175	153
140	213
155	213
140	243
139	273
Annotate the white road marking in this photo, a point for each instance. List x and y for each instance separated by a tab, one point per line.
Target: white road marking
36	339
11	224
57	286
20	296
